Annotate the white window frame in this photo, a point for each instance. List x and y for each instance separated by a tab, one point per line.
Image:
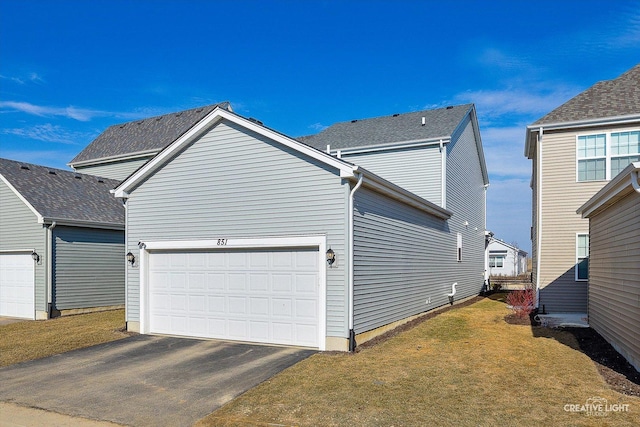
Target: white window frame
608	149
495	259
606	157
579	258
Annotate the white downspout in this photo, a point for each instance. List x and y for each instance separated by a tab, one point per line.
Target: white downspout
443	173
352	336
50	269
539	216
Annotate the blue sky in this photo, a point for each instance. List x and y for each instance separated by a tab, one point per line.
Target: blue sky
70	68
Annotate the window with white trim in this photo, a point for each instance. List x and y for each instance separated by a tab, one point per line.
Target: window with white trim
496	261
582	257
625	148
602	156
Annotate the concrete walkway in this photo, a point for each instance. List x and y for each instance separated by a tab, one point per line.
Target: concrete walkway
12	415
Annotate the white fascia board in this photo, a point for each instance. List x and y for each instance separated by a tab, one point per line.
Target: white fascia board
113	159
211	119
392	146
21	197
387	188
615	187
476	132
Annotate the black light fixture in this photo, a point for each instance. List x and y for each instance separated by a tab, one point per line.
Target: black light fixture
131	258
35	256
331	257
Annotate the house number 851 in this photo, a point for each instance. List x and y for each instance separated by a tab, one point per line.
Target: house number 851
222	242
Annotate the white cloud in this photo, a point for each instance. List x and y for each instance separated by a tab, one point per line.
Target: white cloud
70	112
49	133
31	77
504	151
520	101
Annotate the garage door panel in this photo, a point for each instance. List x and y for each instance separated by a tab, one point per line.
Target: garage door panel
262	296
17	289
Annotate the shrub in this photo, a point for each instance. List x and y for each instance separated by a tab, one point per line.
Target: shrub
522	302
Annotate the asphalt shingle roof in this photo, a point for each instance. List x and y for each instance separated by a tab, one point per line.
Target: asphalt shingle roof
64	195
608	98
439	123
153	133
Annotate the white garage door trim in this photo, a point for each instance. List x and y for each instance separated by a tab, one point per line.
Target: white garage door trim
18	305
222	244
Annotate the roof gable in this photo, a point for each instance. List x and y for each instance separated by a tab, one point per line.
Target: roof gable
139	137
408	127
608	98
215	116
60	195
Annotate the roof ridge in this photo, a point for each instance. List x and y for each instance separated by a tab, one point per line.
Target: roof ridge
224	104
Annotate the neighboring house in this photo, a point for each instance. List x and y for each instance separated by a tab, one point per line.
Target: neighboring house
576	149
239	232
121	149
614	262
61	242
506	259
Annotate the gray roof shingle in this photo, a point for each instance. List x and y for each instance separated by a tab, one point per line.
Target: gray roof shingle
608	98
439	123
144	135
64	195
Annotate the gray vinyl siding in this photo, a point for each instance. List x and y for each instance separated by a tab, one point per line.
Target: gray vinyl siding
466	199
418	170
89	267
402	257
232	183
114	170
614	276
19	229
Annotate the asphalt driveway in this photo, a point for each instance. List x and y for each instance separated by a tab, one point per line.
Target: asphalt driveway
145	380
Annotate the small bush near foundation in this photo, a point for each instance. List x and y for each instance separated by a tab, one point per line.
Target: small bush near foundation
522	302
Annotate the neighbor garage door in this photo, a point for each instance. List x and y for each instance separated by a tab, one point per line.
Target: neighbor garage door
16	286
268	296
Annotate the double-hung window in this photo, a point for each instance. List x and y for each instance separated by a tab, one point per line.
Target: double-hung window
625	148
582	257
592	157
602	156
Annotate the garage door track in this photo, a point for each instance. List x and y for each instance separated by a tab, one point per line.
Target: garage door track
145	380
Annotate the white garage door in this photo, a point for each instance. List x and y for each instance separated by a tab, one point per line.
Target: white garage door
17	286
268	296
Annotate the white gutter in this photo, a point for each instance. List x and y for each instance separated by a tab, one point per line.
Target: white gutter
116	158
393	146
539	216
635	182
352	336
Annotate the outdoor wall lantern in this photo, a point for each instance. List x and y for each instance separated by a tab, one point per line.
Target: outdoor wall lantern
331	257
131	258
35	256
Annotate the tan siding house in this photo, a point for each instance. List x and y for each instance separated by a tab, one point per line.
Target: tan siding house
575	150
614	267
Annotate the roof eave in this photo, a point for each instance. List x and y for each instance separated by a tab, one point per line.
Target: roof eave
385	187
112	159
82	223
601	200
